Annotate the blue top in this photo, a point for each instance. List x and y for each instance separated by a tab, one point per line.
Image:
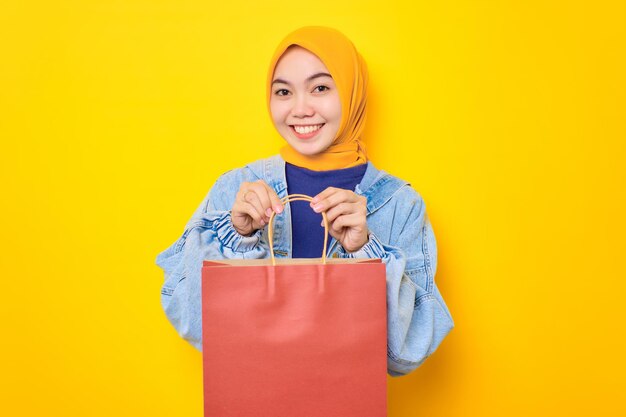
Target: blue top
307	234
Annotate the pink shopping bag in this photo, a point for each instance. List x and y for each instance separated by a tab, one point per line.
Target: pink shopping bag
294	337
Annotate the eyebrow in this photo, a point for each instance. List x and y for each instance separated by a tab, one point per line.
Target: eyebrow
312	77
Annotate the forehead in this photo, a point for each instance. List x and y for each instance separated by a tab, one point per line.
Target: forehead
298	63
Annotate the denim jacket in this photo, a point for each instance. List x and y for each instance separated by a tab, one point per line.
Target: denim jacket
400	234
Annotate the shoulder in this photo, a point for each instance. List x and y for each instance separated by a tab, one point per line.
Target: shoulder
388	191
227	185
409	203
397	207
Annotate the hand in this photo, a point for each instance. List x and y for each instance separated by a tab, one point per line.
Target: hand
253	207
346	213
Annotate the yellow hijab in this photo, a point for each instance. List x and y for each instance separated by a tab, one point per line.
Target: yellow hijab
349	72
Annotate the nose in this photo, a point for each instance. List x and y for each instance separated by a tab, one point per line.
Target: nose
302	107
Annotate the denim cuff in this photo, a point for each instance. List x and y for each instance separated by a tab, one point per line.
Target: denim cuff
372	249
230	238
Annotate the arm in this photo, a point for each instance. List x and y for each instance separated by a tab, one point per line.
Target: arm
208	235
418	318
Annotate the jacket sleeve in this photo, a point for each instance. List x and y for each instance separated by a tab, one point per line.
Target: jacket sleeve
209	234
417	317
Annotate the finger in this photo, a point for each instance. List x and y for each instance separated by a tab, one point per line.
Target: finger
245	209
258	220
261	197
328	191
243	222
268	198
332	199
351	220
341	209
275	204
252	198
243	188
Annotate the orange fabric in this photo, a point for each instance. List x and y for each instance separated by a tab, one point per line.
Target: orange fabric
349	71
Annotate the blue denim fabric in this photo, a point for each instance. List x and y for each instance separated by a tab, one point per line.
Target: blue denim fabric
400	234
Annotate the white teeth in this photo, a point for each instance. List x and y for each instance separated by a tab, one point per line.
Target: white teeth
303	130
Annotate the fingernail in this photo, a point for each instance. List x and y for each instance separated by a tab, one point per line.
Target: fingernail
316	208
278	209
268	212
315	200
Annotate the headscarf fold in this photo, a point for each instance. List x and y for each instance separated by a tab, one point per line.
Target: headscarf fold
349	71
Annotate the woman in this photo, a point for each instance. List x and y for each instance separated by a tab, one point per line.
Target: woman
317	90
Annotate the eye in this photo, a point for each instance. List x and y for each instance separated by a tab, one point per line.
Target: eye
281	92
321	88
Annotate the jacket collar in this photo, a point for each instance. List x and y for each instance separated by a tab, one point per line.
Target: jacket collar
377	185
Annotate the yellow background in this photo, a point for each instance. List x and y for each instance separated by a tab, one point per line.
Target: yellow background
508	117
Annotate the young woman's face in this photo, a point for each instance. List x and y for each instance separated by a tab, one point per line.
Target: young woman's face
305	103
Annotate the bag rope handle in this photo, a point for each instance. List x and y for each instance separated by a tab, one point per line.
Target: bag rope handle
285	200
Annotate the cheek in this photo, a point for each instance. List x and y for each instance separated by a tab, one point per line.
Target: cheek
332	109
279	111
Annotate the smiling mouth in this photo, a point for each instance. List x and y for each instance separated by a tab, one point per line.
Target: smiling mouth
306	129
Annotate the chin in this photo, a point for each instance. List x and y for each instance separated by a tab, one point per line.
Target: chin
307	151
303	151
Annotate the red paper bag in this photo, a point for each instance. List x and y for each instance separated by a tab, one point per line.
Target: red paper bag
294	337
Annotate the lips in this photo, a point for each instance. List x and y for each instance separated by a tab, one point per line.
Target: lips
306	131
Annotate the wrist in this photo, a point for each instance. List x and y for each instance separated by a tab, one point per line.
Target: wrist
241	232
357	248
228	235
374	248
